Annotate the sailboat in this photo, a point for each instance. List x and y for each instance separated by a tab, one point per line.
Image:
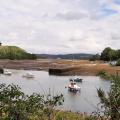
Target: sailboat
75	79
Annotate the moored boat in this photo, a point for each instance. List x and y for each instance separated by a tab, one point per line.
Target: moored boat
76	80
28	75
73	87
6	72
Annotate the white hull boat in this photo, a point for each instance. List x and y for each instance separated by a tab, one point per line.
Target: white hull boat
6	72
28	75
73	87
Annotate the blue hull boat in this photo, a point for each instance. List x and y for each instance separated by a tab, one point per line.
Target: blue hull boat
76	80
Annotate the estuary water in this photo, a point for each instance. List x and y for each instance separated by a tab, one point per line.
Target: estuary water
85	101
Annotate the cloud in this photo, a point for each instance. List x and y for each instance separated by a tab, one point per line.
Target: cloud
60	26
71	16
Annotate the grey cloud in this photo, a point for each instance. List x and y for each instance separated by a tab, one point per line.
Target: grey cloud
71	16
115	36
76	39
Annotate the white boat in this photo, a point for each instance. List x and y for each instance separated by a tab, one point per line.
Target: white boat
28	75
6	72
73	87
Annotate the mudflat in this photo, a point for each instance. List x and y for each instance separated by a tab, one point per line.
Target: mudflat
76	67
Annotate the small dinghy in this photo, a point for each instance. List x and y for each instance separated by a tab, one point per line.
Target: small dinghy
28	75
6	72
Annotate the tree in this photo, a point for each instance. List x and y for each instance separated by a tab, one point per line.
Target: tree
109	54
118	54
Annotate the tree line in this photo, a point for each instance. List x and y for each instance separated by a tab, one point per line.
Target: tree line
108	54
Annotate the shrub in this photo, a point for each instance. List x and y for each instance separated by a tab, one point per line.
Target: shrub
110	103
118	63
103	74
15	105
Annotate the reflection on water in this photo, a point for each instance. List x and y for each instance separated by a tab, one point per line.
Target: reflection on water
85	101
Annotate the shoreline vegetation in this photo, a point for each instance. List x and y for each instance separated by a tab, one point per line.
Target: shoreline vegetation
13	57
15	53
67	67
16	105
104	75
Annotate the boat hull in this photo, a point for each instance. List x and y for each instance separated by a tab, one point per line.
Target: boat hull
76	80
73	90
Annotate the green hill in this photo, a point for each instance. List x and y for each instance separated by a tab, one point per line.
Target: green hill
13	52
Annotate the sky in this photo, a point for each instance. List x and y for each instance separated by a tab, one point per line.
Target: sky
60	26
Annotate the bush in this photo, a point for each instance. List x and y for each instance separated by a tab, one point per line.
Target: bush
15	105
104	75
110	103
109	54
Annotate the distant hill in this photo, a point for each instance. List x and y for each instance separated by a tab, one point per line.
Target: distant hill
65	56
14	52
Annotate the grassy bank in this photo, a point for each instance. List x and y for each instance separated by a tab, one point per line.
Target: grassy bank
15	53
76	67
62	115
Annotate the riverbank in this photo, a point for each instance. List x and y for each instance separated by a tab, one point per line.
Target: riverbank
76	67
63	115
